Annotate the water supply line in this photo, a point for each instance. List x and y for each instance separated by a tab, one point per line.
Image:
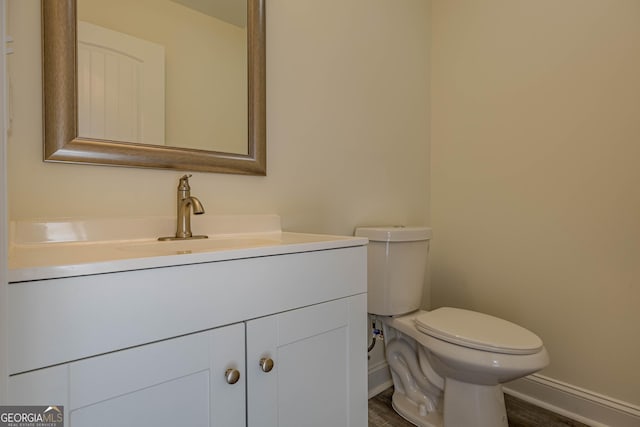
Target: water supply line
376	334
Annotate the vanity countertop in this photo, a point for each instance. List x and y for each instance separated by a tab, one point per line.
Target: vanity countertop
65	248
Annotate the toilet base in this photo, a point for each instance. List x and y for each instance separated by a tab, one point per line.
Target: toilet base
473	405
464	405
411	412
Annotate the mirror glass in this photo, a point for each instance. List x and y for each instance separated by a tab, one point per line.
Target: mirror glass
164	72
173	84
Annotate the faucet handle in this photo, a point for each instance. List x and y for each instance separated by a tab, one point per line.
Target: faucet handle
184	182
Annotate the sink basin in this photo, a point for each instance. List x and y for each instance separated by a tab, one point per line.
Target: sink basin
173	247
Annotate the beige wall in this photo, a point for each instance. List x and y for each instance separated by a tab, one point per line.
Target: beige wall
535	177
347	127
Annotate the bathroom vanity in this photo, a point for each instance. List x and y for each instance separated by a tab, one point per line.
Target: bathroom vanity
251	327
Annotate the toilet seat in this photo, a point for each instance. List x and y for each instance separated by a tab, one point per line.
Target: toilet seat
478	331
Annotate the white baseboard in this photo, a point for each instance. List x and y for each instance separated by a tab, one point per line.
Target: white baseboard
379	378
574	402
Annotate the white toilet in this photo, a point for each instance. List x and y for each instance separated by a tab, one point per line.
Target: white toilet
448	364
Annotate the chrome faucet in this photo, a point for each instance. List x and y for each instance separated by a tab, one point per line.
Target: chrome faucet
186	203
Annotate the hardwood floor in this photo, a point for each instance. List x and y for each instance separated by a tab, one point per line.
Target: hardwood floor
519	413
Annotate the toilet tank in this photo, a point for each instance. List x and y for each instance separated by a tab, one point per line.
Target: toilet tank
396	266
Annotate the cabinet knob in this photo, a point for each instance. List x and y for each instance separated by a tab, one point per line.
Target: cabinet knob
266	364
232	376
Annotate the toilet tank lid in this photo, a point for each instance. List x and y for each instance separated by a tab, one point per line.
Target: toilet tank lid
395	233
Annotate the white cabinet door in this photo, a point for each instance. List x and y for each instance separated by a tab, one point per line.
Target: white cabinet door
319	366
175	382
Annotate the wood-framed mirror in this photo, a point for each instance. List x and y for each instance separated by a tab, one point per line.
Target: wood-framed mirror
63	143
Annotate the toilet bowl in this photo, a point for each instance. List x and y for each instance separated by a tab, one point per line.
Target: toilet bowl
447	365
467	368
